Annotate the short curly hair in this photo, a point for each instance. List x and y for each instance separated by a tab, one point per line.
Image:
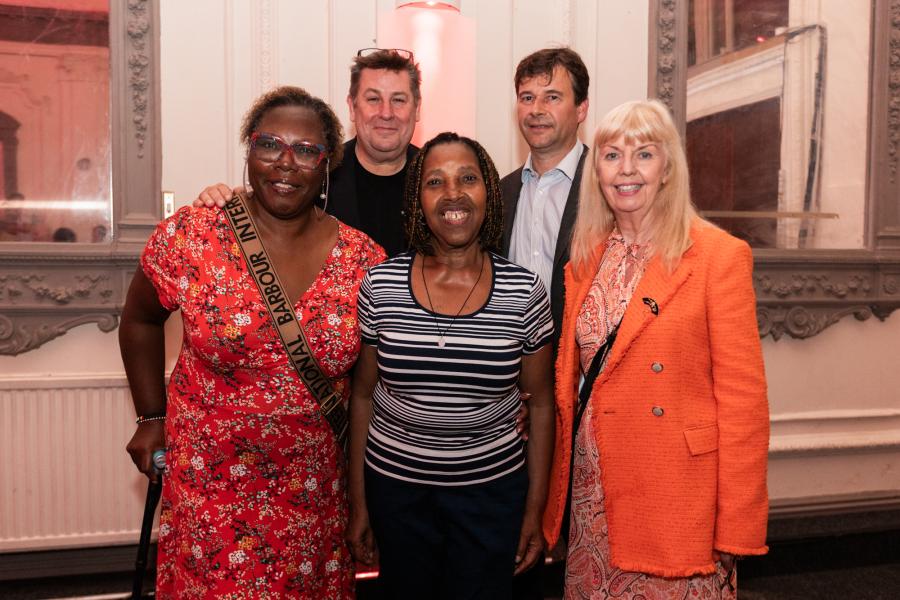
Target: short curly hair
417	231
288	95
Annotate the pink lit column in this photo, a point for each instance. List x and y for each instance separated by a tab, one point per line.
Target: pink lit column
443	42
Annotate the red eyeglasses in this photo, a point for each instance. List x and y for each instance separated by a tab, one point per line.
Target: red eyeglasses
269	148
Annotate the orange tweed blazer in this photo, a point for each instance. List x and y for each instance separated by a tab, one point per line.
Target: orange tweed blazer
680	414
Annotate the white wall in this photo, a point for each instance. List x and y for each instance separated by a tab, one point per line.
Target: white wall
216	58
833	397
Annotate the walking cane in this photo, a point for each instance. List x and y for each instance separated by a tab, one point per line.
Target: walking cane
154	489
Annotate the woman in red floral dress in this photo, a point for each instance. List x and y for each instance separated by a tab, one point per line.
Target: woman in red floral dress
254	500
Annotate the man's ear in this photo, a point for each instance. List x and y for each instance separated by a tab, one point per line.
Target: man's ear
418	108
352	108
581	111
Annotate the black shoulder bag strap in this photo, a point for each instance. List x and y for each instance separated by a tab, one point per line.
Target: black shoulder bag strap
281	311
584	395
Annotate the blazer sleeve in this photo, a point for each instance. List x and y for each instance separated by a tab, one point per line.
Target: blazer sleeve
739	386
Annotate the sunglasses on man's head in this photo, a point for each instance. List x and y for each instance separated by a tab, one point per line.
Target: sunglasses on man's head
407	54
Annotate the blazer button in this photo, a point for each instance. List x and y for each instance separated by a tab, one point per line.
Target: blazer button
657	411
657	367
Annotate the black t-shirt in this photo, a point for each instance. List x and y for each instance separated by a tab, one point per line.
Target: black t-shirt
381	210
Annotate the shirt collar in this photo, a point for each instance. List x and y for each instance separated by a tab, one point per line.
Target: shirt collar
568	165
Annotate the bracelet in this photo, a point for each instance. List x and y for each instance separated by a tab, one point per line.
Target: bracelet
153	417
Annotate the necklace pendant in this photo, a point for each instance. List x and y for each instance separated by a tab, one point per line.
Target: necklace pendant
441	342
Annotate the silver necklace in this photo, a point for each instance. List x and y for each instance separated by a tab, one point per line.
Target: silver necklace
437	325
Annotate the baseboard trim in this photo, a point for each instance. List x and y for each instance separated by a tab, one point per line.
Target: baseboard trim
809	518
73	561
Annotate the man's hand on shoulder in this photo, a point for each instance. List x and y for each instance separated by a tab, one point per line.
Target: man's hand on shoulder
216	195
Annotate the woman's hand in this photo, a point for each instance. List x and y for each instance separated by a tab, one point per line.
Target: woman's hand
149	437
142	342
359	534
531	542
360	538
216	195
727	560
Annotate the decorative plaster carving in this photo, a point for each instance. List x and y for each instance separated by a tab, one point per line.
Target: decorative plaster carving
137	27
891	285
894	90
806	284
266	45
13	288
802	322
27	333
666	60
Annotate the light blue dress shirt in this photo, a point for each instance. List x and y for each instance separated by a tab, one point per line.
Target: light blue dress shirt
539	213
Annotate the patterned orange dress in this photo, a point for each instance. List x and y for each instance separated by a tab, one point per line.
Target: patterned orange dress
589	572
254	495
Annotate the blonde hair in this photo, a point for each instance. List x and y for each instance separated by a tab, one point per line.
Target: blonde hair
672	212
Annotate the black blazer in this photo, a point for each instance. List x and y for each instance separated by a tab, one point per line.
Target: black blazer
511	187
342	200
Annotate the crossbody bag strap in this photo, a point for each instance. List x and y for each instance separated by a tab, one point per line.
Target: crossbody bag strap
584	396
281	311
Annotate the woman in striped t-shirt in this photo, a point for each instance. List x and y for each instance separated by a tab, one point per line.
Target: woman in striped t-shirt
438	475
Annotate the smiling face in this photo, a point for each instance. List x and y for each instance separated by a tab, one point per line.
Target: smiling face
453	195
547	114
384	113
281	187
630	175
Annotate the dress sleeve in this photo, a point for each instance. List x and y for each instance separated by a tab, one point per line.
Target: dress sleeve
538	321
739	385
163	259
371	254
366	314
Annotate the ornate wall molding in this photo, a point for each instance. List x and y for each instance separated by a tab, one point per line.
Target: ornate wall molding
41	298
139	59
667	71
894	85
802	292
265	41
665	52
47	289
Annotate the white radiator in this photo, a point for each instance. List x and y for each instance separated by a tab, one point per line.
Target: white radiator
65	478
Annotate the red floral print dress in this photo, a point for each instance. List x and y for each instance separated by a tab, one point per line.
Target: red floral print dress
589	572
254	496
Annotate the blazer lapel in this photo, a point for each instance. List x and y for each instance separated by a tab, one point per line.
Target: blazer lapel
564	237
656	285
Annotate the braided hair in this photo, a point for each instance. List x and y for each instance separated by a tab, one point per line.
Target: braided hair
417	231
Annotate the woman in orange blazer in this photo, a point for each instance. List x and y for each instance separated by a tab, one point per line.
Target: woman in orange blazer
660	466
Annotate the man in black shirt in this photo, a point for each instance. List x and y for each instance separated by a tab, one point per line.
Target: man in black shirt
366	190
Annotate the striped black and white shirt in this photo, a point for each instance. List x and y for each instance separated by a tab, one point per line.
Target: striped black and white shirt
447	415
